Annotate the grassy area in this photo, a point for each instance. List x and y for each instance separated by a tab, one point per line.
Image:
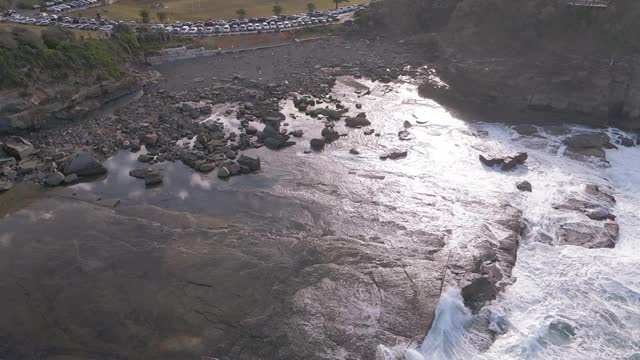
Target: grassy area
29	54
189	10
80	34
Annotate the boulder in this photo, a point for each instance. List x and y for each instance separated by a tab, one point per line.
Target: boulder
206	167
357	121
152	178
250	130
406	124
150	139
5	185
70	179
329	134
297	133
524	186
559	333
145	158
223	172
54	179
584	141
7	161
139	173
525	130
505	163
394	154
354	152
252	163
600	213
588	236
587	145
626	142
273	119
369	131
18	147
478	292
84	164
317	144
405	135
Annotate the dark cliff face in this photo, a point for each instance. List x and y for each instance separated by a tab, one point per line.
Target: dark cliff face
576	63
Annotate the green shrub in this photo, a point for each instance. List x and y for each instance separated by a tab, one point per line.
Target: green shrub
55	35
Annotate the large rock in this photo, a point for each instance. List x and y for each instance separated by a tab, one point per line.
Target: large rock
54	179
588	236
524	186
587	145
5	185
250	162
505	163
329	134
395	154
317	144
84	164
357	121
152	178
18	147
273	119
587	141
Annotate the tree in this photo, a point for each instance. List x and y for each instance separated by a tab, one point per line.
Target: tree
162	16
277	10
338	2
311	7
145	17
241	13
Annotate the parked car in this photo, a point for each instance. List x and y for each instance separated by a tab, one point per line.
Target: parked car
243	28
226	29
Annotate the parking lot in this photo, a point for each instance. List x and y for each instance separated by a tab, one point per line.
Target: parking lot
53	15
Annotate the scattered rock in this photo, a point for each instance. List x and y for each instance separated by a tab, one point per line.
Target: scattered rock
152	178
206	167
560	333
587	141
250	130
329	134
71	179
145	158
223	172
18	147
317	144
524	186
600	213
357	121
526	130
587	145
84	164
253	164
6	162
505	163
5	185
626	142
588	236
150	139
358	106
394	154
139	173
54	179
405	135
478	292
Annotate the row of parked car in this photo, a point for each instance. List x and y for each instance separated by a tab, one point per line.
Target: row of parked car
274	23
64	21
269	25
58	6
